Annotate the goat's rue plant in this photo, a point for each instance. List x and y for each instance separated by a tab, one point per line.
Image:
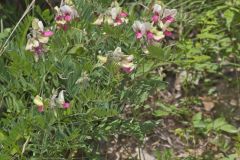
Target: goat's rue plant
83	67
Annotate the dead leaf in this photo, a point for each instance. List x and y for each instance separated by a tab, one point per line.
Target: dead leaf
208	103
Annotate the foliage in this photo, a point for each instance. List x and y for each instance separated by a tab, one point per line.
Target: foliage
204	45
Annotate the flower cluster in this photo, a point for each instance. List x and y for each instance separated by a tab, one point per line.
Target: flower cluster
163	15
65	14
152	31
37	38
142	29
125	62
56	100
158	28
114	16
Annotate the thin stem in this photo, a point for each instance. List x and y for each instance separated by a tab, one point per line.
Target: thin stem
25	145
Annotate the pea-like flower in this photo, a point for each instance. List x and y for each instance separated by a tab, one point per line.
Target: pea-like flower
125	62
163	14
61	100
157	11
37	37
39	102
139	29
163	17
158	28
146	29
157	35
65	14
114	16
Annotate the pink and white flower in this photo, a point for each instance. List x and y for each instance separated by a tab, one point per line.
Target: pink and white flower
61	100
157	12
139	29
163	14
38	27
65	14
157	35
168	33
124	61
146	29
39	102
113	16
159	28
37	38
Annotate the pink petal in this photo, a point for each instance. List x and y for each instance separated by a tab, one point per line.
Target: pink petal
167	33
127	69
59	18
149	35
66	105
123	14
68	18
118	21
64	27
139	35
40	109
38	50
155	18
168	19
47	33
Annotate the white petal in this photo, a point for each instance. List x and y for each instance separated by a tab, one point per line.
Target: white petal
37	25
115	4
136	26
99	20
117	54
128	58
68	2
118	51
53	98
60	99
35	43
109	20
57	9
158	36
40	25
38	101
102	59
43	39
127	65
169	12
66	9
29	45
157	9
147	26
114	12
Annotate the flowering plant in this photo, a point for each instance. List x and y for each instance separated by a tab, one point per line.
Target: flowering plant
158	28
37	38
125	62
